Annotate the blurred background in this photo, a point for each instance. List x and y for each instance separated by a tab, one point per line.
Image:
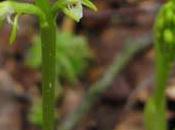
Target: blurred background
105	70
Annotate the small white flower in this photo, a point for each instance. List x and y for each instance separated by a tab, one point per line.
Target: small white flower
9	19
74	9
6	13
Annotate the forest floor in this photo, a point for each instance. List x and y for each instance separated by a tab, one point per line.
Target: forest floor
121	106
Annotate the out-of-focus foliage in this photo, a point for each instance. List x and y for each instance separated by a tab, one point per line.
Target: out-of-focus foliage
72	54
35	115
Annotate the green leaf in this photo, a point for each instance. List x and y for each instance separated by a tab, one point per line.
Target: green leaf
89	4
33	58
14	29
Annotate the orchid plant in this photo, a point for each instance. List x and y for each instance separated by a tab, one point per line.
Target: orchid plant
155	110
46	11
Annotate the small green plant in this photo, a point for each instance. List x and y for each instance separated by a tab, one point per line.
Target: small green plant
71	56
155	110
46	11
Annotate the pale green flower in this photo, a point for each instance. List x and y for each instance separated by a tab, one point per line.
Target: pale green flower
5	13
73	8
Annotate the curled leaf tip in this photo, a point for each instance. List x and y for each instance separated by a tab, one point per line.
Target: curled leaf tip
89	4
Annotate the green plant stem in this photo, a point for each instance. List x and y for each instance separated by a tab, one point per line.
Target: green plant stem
159	98
48	75
48	39
162	71
155	109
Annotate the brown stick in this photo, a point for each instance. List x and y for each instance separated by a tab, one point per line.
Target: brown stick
122	59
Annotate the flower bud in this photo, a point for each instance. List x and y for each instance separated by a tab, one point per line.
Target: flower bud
168	36
165	32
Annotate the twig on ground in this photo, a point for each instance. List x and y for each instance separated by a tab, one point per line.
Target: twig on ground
141	86
122	59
